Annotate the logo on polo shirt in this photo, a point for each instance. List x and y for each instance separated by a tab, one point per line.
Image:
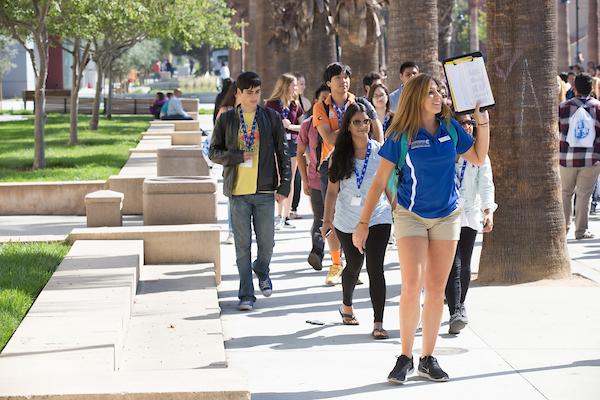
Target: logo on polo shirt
417	144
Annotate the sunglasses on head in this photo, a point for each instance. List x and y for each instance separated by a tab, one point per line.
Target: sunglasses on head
360	122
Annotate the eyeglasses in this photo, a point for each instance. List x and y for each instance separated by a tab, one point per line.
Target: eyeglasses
467	123
378	96
360	122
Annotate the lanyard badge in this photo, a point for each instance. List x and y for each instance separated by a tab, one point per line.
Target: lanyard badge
340	112
249	139
462	173
360	178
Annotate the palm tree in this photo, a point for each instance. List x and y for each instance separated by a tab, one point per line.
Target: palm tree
358	24
413	36
314	53
445	9
528	242
564	49
473	24
593	32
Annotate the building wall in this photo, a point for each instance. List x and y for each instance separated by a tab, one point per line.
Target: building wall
21	77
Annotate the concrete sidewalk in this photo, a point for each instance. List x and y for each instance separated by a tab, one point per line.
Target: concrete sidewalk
534	341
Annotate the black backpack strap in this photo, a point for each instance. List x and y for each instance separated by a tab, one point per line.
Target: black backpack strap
320	140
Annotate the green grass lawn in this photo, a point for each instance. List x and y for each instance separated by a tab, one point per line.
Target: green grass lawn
24	270
98	155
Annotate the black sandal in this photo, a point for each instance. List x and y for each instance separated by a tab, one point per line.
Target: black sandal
380	334
348	319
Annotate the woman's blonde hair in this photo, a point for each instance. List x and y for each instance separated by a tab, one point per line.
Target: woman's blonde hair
282	87
596	87
409	115
562	89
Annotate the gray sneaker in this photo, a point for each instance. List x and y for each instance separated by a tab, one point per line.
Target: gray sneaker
463	313
456	323
246	305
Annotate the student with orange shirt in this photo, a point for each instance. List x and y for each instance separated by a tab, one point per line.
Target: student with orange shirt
327	119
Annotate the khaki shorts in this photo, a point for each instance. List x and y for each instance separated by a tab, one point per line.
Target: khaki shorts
407	223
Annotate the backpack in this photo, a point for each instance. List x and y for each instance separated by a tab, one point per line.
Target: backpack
397	172
582	130
320	141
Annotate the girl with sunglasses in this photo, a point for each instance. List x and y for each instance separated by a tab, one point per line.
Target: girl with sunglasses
352	168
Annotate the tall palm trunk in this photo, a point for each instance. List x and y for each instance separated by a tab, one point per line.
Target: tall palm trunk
474	24
445	9
593	32
564	49
313	56
361	60
412	36
270	62
528	242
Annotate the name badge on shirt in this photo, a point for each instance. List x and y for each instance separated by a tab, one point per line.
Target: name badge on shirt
444	139
417	144
356	200
288	136
246	164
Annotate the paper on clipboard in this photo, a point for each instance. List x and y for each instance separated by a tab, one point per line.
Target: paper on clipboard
468	83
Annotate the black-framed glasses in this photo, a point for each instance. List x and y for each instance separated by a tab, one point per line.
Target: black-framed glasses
360	122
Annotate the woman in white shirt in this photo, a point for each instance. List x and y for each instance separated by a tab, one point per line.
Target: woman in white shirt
476	188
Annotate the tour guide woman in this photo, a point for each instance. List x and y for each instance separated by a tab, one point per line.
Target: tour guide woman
427	217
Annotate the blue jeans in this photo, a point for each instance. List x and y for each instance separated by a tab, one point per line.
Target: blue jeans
248	210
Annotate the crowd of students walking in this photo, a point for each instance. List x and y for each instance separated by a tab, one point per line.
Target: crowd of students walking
390	164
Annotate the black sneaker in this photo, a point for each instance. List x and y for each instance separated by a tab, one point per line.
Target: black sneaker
430	369
266	287
404	367
315	260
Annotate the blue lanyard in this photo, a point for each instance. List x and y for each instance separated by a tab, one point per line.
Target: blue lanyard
249	140
340	112
285	111
386	121
359	179
462	173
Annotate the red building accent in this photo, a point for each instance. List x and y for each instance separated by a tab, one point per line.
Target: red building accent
55	68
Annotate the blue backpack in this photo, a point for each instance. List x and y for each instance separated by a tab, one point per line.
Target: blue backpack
397	172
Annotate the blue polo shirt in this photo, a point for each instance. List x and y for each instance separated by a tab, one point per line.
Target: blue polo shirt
427	186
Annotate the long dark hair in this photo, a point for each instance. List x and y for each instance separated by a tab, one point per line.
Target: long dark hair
341	163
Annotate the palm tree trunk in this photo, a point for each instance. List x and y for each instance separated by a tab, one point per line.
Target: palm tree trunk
528	242
412	36
564	50
445	9
593	32
313	56
361	60
473	24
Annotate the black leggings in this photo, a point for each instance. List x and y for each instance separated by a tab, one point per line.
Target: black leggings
375	252
460	274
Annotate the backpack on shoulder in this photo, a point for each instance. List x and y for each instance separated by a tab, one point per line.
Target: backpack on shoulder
582	129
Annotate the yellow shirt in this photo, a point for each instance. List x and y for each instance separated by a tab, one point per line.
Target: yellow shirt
246	178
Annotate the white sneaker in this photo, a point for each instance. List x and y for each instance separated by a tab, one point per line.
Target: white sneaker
279	222
229	239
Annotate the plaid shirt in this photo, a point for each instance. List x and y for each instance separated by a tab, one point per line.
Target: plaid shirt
576	157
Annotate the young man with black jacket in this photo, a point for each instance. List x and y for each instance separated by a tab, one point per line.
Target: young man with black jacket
249	141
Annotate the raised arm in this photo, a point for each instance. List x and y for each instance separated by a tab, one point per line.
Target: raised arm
478	152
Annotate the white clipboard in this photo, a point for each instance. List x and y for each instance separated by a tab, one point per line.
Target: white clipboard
468	83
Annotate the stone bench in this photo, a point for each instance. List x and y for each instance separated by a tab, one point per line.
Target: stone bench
180	200
180	125
177	137
182	161
165	244
132	187
161	127
103	208
80	318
